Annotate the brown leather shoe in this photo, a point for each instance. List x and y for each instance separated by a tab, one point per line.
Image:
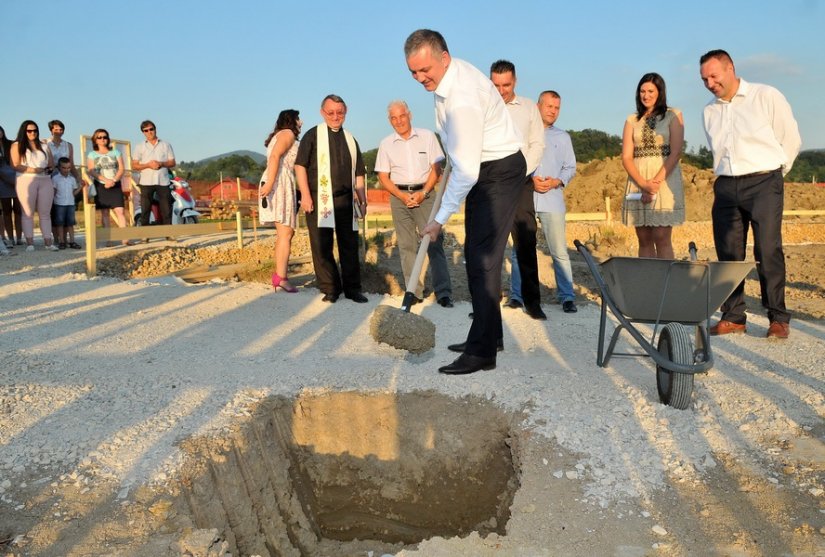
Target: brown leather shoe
725	327
779	330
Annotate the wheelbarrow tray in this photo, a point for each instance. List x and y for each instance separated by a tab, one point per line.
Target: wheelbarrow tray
665	291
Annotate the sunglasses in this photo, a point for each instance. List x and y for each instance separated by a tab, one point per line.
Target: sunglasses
102	137
148	130
31	131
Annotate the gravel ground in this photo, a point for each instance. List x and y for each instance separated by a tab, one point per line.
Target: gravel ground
101	379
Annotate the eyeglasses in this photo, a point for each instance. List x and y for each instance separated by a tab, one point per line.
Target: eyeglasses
102	137
31	131
148	130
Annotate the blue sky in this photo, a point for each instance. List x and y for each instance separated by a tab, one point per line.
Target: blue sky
213	75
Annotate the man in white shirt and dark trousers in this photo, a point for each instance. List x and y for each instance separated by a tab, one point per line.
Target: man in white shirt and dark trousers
153	158
755	139
488	169
556	168
408	167
524	273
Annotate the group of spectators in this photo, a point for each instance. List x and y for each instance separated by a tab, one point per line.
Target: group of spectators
40	177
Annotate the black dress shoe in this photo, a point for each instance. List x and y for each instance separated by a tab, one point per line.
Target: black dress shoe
569	307
536	313
466	363
445	302
461	346
357	297
512	303
330	298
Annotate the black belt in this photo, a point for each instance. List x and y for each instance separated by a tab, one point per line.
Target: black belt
753	174
410	187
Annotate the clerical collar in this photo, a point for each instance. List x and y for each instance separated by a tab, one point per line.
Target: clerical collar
336	130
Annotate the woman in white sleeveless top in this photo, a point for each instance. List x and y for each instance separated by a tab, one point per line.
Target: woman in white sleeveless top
33	163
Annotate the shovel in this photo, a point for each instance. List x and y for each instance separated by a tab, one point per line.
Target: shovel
412	280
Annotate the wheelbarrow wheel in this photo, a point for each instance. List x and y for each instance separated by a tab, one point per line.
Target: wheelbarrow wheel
676	345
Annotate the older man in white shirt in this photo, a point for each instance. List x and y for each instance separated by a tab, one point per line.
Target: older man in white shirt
408	167
488	170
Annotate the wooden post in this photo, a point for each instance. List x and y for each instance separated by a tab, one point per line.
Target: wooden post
129	206
608	214
253	214
238	215
89	216
91	233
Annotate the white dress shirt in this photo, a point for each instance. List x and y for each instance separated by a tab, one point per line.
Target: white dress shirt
475	126
160	151
409	161
526	117
753	132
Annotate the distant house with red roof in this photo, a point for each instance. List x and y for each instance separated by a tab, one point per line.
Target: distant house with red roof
228	189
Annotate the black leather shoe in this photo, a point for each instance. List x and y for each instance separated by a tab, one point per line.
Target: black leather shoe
356	297
569	307
461	346
330	298
536	313
445	302
466	363
512	303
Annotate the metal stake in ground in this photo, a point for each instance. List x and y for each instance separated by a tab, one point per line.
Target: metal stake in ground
398	327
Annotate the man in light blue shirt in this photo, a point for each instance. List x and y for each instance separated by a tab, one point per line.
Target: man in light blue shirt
556	168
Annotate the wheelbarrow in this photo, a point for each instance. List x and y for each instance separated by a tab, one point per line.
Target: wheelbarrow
673	295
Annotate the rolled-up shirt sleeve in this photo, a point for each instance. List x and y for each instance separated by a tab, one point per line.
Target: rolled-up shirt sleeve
464	141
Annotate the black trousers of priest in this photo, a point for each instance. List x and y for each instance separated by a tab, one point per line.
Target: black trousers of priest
754	201
524	242
322	240
488	220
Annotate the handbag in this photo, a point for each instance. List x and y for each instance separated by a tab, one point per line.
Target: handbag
92	191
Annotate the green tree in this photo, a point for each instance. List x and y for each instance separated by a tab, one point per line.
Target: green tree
702	159
242	166
592	144
369	161
809	166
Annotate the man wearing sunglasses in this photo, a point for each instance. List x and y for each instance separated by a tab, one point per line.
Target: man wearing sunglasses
153	158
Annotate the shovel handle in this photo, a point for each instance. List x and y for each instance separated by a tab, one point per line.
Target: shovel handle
425	241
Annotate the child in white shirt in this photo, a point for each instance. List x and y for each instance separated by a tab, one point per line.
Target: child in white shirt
66	187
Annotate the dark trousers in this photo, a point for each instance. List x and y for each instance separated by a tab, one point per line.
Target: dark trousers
147	193
524	242
321	241
756	201
488	220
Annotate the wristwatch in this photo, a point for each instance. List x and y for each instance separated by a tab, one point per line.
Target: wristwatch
427	194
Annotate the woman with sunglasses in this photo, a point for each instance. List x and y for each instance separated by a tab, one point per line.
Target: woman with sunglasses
104	166
34	186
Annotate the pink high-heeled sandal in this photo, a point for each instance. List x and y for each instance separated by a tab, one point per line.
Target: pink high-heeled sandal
282	283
